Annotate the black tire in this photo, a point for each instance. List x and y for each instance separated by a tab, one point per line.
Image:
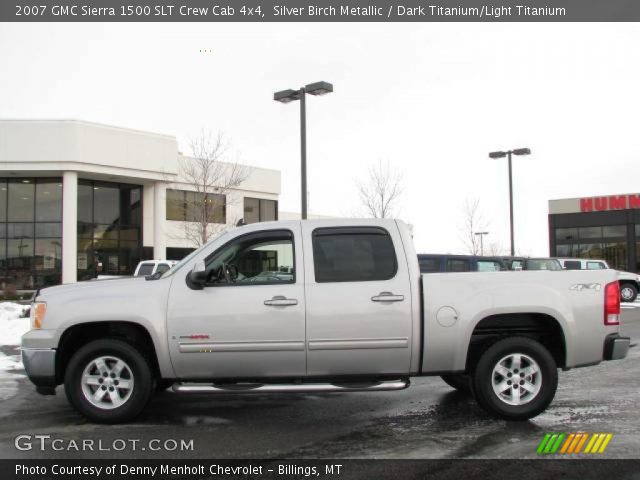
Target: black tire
628	292
459	381
139	372
483	379
162	385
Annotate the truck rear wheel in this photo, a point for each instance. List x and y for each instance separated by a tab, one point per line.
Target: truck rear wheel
108	381
459	381
515	378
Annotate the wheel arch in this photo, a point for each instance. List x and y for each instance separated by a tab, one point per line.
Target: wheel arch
75	336
539	326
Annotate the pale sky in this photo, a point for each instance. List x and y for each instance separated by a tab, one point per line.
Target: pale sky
432	99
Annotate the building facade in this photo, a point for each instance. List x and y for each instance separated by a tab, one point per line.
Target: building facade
605	227
80	199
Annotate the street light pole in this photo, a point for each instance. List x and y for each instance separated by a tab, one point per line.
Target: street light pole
481	235
513	248
286	96
517	151
303	152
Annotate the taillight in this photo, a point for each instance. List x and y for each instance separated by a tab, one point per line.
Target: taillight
612	304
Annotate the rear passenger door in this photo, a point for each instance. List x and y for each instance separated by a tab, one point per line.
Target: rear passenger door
358	301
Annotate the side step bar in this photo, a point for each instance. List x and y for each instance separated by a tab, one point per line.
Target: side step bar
290	387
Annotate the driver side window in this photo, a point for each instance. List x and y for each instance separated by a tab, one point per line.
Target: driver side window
254	259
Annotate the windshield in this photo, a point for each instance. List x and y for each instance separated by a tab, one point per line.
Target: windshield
188	258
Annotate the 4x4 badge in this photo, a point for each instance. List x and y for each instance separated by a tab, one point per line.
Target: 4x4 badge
586	286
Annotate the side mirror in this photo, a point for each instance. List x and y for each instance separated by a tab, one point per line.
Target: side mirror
197	277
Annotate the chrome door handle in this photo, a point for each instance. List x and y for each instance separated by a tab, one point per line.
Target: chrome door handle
387	297
281	301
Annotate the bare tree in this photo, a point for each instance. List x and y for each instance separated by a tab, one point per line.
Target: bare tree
212	181
472	223
495	249
380	191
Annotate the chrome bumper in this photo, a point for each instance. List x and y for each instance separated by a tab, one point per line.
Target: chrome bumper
40	365
616	346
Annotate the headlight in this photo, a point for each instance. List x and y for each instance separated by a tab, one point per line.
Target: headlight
38	310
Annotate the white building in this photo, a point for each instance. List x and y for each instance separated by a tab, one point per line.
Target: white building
79	199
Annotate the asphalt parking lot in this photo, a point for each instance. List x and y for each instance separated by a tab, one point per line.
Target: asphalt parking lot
428	420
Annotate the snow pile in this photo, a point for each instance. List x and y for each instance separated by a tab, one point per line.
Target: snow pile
8	364
13	324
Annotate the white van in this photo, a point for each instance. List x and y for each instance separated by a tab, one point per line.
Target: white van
629	282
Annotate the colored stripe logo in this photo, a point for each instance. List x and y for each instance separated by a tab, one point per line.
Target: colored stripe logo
572	443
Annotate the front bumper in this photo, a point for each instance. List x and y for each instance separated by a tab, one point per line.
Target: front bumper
616	346
40	365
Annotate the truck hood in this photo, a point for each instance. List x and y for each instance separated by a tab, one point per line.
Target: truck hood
100	287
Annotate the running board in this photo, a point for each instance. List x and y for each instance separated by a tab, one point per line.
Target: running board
290	387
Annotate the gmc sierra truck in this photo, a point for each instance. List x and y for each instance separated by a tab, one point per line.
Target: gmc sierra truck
319	306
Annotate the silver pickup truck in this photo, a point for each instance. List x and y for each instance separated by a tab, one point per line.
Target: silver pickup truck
319	306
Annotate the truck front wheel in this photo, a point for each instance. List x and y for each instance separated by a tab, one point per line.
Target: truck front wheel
515	378
108	381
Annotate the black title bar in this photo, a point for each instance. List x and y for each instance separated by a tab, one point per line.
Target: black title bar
319	11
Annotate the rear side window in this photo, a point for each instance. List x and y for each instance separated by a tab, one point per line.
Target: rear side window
353	254
458	265
595	266
145	269
429	265
573	264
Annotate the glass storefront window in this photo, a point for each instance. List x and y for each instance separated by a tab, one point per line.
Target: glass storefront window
21	200
109	240
566	234
3	201
259	210
30	228
48	230
48	201
19	230
589	232
175	205
590	250
251	210
616	255
106	203
85	202
615	231
191	207
568	250
19	251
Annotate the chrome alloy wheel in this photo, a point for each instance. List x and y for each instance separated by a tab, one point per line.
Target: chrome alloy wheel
516	379
626	293
107	382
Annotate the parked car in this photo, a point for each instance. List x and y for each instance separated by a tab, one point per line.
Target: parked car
355	315
438	263
629	282
527	263
150	267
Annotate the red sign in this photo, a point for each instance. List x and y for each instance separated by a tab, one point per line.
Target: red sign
614	202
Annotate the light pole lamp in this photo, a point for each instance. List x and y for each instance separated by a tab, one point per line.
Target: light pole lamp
481	235
517	151
286	96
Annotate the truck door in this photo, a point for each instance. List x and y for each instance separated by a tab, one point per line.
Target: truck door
249	326
358	301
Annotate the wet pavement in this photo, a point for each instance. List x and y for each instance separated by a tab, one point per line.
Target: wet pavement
428	420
